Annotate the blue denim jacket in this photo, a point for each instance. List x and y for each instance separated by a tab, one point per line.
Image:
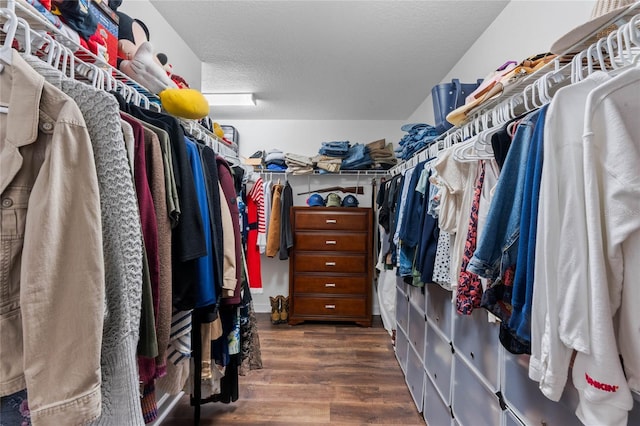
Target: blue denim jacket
522	295
497	248
409	232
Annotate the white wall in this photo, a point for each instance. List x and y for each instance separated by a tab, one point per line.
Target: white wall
166	40
524	28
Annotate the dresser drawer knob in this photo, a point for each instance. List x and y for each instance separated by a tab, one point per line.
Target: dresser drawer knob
330	263
331	221
330	284
330	242
329	306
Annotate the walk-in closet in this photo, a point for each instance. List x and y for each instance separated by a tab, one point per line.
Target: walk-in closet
319	212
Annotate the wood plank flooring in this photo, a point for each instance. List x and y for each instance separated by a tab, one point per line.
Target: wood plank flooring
316	374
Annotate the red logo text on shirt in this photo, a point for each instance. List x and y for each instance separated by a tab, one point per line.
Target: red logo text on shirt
602	386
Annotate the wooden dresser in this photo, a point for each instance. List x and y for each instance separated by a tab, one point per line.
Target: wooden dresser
330	265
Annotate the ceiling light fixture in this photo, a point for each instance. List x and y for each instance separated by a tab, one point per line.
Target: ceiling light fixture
230	99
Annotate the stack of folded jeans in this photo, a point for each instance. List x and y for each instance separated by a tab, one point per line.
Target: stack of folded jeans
382	154
298	164
335	149
358	158
418	136
327	164
275	160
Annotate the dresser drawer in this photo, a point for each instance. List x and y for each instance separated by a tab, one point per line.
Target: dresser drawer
322	218
330	262
343	306
345	241
330	284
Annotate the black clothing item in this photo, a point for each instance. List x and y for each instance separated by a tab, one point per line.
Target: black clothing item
428	242
500	142
383	215
393	202
238	178
395	195
210	169
229	388
286	234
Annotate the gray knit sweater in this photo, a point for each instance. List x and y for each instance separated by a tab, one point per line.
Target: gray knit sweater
122	241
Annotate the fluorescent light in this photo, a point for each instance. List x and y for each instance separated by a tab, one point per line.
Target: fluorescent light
230	99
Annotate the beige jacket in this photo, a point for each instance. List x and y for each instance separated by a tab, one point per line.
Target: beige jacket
229	279
51	262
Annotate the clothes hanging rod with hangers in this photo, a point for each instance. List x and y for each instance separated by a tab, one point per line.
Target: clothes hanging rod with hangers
526	95
113	78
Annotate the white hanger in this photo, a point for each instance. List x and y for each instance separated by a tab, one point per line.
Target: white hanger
26	37
612	44
634	36
576	67
50	48
434	148
10	27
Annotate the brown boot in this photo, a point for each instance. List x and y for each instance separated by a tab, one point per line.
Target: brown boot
284	313
276	307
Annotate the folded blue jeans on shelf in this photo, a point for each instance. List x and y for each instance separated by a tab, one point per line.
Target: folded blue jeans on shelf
357	158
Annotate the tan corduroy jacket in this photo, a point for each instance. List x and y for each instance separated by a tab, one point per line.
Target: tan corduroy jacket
51	260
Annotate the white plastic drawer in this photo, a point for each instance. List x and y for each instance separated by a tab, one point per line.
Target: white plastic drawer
511	419
417	325
435	411
524	397
473	404
478	342
437	361
416	297
402	346
440	308
634	414
415	378
402	310
402	286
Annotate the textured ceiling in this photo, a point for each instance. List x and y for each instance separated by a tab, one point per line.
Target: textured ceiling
333	60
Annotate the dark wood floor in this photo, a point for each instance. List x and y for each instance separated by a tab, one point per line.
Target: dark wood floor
316	374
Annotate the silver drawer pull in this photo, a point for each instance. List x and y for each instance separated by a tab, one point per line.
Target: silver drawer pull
329	306
330	284
330	242
329	263
331	221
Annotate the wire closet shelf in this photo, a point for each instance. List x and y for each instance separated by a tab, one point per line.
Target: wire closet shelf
611	52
